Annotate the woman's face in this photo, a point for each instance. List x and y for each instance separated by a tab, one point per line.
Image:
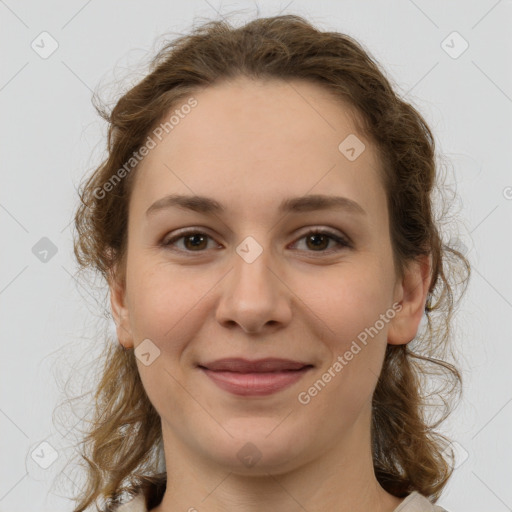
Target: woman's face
245	280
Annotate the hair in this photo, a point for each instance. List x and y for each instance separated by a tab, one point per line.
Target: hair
124	440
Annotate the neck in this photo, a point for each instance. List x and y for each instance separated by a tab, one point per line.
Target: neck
341	479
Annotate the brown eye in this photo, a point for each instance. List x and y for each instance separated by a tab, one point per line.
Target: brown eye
193	241
318	241
197	241
315	240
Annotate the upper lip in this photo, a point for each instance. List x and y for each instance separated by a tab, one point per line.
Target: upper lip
241	365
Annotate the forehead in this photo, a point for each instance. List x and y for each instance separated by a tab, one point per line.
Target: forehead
250	143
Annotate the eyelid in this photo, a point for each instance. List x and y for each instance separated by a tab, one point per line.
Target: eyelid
343	241
324	230
180	233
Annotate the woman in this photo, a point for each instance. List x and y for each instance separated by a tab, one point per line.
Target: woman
265	224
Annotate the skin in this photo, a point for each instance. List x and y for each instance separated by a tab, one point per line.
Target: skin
249	144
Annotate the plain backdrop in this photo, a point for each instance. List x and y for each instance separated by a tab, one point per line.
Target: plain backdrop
51	136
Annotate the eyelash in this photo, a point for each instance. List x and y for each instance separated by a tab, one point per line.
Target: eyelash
341	241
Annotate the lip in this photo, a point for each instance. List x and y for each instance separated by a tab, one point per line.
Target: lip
239	364
254	378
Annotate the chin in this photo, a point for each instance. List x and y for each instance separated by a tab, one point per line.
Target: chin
262	445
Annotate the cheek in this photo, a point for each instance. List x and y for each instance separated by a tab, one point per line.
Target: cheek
349	301
164	300
357	312
356	348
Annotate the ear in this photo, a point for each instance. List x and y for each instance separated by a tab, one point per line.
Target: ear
120	312
411	292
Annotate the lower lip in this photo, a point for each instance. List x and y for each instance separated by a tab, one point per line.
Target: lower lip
255	384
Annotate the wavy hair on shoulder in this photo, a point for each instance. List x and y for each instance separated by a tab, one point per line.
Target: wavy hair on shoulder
122	445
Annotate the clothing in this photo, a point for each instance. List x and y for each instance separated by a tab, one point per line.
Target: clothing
415	502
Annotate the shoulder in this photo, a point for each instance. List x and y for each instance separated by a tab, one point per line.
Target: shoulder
136	504
416	502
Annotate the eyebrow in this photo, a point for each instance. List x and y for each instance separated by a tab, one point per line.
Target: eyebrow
208	205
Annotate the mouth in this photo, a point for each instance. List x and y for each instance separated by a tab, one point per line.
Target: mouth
254	378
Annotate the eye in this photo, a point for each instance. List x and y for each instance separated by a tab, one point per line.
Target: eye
318	239
192	239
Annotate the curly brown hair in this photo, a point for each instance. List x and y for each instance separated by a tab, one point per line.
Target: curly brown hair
123	444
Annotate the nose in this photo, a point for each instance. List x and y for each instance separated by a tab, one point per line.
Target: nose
254	295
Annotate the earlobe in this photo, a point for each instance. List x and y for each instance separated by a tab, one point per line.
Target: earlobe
120	313
412	295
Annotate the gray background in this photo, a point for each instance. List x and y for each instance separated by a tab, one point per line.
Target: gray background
51	136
